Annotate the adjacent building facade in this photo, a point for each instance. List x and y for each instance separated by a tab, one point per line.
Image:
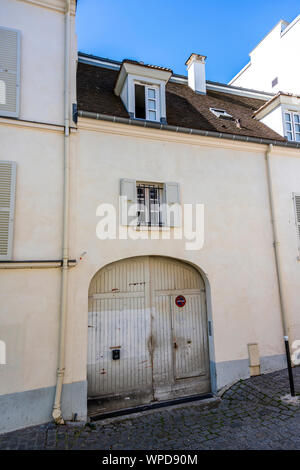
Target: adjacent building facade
273	69
137	242
273	66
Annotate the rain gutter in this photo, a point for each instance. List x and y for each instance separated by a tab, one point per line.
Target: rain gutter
186	130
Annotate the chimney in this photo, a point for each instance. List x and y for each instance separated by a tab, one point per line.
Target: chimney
196	73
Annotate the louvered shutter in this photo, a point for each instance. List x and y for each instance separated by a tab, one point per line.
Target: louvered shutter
128	190
9	72
297	210
172	202
7	207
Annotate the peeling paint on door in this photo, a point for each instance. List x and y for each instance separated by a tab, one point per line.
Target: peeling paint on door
132	304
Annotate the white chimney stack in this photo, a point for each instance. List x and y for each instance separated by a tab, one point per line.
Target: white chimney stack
196	73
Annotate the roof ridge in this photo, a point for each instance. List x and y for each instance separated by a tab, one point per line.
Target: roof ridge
174	75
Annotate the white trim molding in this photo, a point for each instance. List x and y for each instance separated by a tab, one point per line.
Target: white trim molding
35	264
56	5
32	125
95	125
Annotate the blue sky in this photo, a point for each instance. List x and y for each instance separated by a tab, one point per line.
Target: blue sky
165	32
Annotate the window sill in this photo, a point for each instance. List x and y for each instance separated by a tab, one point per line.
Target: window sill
145	120
152	228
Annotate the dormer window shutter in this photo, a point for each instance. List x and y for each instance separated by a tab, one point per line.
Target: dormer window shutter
9	72
128	190
172	201
7	208
297	211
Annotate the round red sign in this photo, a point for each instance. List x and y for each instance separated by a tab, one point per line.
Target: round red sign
180	301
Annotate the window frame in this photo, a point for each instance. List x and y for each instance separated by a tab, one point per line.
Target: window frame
147	87
169	198
147	187
291	131
221	113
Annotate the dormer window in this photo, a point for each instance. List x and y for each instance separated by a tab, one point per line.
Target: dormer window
292	126
282	114
221	113
142	88
146	102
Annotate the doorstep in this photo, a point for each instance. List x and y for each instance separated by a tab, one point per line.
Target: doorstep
203	401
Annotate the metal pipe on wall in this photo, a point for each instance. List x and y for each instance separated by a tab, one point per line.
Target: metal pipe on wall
57	412
284	317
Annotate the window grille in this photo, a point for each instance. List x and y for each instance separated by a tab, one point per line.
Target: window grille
149	204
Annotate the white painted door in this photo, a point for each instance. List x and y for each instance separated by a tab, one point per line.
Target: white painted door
180	340
119	356
189	337
141	346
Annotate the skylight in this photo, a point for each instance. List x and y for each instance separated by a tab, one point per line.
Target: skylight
221	113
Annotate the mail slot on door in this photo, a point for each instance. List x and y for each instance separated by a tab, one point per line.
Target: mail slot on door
115	354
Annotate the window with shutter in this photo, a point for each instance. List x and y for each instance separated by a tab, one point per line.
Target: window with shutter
7	206
9	72
155	204
297	211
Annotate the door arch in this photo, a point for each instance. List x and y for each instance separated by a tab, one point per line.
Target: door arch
143	344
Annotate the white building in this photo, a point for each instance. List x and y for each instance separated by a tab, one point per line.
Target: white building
273	64
274	68
110	321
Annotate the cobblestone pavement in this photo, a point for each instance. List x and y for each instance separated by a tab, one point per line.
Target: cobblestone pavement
250	416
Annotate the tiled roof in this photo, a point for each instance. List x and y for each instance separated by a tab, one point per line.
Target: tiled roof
185	108
95	91
158	67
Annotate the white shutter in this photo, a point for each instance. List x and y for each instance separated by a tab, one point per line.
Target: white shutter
7	207
172	203
172	193
128	190
297	211
9	72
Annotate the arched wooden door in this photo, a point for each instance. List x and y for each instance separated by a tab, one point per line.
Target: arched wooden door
147	333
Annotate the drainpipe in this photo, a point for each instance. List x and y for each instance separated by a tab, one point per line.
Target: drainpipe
284	317
57	414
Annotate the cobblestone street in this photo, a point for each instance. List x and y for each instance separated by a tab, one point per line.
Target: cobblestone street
250	416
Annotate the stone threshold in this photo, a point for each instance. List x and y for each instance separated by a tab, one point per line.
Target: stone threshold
204	401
